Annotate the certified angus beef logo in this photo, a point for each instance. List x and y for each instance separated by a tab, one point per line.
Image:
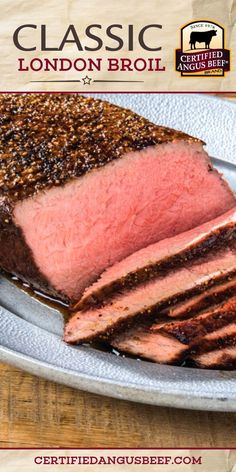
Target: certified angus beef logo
202	51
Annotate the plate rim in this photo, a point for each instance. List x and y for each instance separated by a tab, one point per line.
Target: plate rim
105	387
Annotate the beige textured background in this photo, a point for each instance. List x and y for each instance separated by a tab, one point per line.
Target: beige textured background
171	14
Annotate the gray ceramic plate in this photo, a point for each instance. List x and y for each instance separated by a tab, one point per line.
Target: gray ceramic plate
30	332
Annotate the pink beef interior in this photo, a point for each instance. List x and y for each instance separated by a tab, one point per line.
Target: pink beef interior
77	230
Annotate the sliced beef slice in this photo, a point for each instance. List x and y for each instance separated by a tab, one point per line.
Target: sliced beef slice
155	259
148	299
210	297
84	183
142	342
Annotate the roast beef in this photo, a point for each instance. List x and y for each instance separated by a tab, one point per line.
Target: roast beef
84	183
167	254
203	339
148	299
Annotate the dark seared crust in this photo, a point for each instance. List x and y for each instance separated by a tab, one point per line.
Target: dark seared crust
46	140
15	255
187	331
204	346
215	241
151	313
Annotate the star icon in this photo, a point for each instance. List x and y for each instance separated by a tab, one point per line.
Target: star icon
86	80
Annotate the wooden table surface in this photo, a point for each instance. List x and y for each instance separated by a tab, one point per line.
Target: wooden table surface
38	413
